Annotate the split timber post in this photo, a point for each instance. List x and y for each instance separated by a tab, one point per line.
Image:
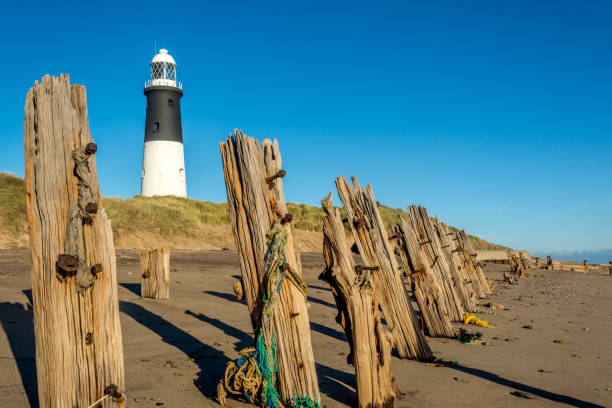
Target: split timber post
371	239
79	350
370	342
155	274
469	283
253	180
424	284
463	285
468	249
430	244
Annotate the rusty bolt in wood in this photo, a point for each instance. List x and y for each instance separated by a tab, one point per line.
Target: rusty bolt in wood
91	148
360	268
91	208
96	269
114	392
287	218
68	263
146	275
88	339
279	174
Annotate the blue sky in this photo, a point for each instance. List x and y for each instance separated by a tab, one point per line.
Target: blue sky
497	116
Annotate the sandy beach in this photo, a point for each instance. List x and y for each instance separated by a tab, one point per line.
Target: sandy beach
550	346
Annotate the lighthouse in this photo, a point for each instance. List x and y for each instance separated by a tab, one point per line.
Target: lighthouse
163	163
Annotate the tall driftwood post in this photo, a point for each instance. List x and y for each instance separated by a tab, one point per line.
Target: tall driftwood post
155	274
425	286
253	179
465	283
430	244
74	284
352	285
373	245
466	247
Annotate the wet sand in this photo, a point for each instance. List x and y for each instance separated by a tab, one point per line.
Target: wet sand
176	350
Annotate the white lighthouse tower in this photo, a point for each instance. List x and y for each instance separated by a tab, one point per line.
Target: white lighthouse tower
163	164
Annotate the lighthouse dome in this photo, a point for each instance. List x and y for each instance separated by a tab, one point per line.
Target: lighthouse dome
163	70
163	56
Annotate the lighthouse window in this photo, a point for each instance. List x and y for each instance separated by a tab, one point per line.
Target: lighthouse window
170	103
156	126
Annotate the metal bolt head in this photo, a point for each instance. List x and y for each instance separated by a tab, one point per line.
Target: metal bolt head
279	174
91	208
111	389
96	269
287	218
88	339
91	148
68	263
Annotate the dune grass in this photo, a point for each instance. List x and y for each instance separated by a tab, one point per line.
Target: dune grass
12	207
172	216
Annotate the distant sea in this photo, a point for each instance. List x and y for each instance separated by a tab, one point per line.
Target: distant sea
601	256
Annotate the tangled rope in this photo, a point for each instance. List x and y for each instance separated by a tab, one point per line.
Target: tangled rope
471	319
253	374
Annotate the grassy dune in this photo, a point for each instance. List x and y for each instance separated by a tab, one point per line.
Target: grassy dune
171	221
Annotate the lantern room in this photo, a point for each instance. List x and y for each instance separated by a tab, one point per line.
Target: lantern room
163	70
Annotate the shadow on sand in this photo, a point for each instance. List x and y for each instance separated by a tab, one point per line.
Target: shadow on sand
244	339
226	296
132	287
526	388
17	321
328	331
335	384
321	302
209	360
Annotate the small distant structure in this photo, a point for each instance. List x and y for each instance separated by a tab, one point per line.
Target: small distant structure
492	256
163	164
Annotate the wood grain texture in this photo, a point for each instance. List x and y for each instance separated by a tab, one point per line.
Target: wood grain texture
423	281
155	274
463	280
429	242
78	336
466	246
371	343
254	205
371	239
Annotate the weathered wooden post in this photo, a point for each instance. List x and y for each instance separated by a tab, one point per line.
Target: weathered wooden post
424	284
271	275
373	245
467	247
79	354
463	282
155	274
352	286
430	244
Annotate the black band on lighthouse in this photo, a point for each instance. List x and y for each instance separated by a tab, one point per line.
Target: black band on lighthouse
163	120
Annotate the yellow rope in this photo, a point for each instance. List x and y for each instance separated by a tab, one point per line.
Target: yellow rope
240	380
471	319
